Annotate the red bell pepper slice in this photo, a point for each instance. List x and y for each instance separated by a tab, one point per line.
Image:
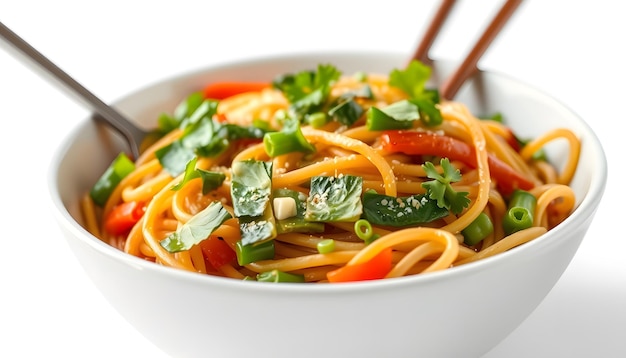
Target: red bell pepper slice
221	90
217	252
376	268
123	217
428	143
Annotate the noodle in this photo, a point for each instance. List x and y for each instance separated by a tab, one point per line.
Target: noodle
400	179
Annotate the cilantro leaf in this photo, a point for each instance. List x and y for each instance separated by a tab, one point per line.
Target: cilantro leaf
412	80
289	139
185	109
202	136
307	91
440	188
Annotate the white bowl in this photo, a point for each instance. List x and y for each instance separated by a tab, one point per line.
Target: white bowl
459	312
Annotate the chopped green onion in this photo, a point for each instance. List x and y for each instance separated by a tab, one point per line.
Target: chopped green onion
317	119
520	213
477	230
290	139
253	253
364	231
119	168
326	246
279	276
360	76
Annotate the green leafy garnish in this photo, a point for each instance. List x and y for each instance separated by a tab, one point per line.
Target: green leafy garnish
210	180
185	109
440	188
398	115
251	187
119	168
198	228
289	139
256	229
412	210
251	191
307	91
334	198
202	136
412	80
346	110
296	223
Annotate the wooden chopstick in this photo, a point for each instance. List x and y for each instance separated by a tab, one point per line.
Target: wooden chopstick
468	67
421	53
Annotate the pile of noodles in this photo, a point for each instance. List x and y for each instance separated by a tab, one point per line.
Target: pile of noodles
341	150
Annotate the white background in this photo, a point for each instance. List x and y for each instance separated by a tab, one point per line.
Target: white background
573	50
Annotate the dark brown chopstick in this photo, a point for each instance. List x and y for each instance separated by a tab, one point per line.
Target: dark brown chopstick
468	67
421	53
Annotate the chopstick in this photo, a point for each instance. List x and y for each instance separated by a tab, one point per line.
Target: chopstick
421	53
468	67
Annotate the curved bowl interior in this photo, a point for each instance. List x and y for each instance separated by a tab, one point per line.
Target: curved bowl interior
187	314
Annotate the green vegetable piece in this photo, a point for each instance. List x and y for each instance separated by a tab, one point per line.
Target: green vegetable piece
412	210
429	113
289	139
198	228
204	110
477	230
279	276
346	112
326	246
497	117
360	76
520	213
251	187
251	192
257	229
317	119
119	168
364	230
202	136
296	223
539	155
307	91
185	109
252	253
403	110
210	180
412	80
440	188
399	115
334	199
174	157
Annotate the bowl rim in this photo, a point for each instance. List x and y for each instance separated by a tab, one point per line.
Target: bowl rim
587	206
